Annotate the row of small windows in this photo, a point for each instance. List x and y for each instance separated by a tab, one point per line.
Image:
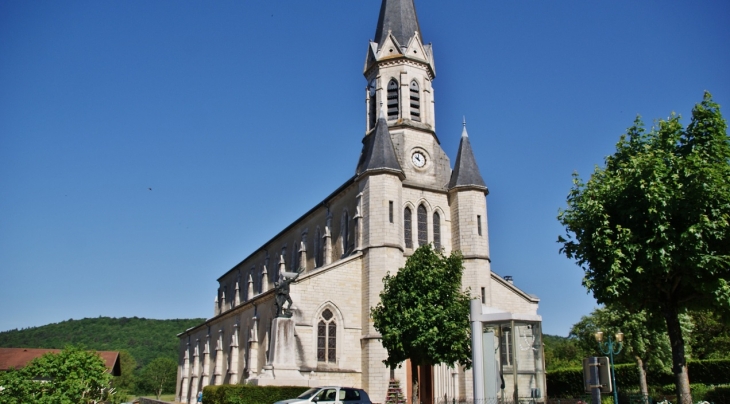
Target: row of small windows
422	227
393	101
261	277
394	104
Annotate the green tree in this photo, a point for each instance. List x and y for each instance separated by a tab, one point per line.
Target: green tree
651	229
562	352
645	340
15	387
71	376
423	315
710	338
126	381
159	376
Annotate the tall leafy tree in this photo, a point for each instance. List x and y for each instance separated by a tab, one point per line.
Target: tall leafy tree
652	229
126	381
159	376
562	352
710	338
423	315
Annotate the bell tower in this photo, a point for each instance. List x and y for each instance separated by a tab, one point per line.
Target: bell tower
399	69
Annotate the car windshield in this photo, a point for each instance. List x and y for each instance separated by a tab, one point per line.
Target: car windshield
308	393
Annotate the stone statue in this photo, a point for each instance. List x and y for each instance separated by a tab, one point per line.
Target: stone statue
282	294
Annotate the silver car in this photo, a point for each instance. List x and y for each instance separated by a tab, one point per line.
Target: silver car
331	394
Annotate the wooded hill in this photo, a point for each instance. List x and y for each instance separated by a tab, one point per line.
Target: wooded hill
145	339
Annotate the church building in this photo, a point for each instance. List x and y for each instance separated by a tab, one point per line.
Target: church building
404	193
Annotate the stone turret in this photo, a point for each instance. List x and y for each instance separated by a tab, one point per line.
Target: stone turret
468	203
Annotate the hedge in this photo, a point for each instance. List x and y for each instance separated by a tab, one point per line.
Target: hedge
710	371
718	395
248	394
568	382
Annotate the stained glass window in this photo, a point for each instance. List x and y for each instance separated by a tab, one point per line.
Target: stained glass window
437	230
422	226
327	337
407	230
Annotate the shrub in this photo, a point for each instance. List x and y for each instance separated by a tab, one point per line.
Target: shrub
247	394
709	371
565	383
718	395
568	382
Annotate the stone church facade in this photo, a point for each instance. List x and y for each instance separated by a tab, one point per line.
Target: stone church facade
404	193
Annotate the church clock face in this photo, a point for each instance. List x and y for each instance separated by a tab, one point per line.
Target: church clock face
418	159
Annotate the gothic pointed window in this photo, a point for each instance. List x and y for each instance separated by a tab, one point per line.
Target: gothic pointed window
407	229
345	232
372	103
415	101
317	248
327	337
436	230
422	226
294	258
392	100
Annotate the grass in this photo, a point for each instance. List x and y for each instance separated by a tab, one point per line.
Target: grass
163	397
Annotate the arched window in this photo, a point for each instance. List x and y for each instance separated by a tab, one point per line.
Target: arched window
372	103
392	100
345	232
422	226
294	257
437	230
327	337
407	229
415	101
317	248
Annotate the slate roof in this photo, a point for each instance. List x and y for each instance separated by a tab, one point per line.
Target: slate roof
399	17
466	172
17	358
378	153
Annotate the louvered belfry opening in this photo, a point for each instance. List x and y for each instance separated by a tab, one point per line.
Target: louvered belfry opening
392	100
415	101
373	104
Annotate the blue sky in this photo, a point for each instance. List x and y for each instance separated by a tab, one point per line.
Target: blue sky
146	147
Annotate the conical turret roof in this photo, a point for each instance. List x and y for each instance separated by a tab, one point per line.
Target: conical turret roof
399	18
466	172
378	153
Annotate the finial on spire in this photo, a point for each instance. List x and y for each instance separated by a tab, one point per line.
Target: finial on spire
463	131
381	114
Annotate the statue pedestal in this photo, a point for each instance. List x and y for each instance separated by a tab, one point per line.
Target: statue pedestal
282	369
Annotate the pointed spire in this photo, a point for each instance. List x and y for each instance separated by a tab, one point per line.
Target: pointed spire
466	172
378	153
399	18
